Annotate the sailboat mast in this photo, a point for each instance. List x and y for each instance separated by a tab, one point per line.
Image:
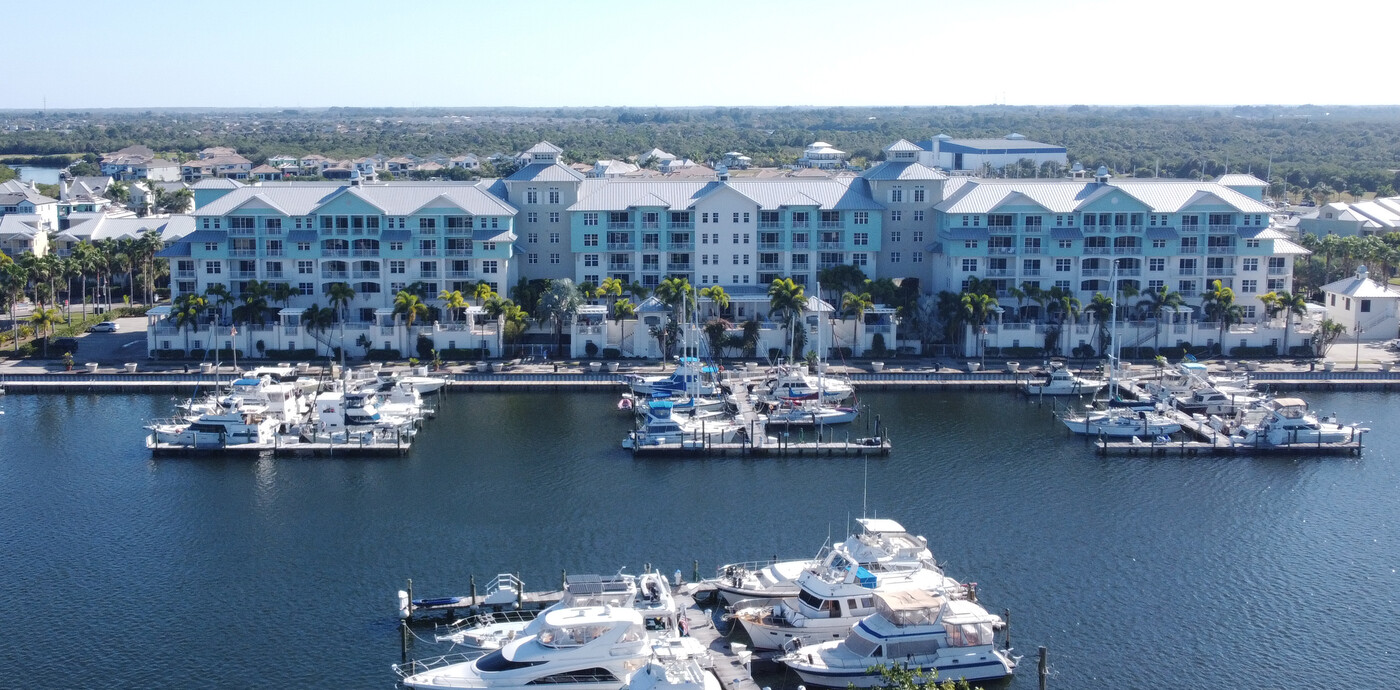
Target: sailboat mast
1113	336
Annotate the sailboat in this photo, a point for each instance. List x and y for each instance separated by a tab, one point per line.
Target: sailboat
1119	422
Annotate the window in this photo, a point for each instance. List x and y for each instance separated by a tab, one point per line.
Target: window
1365	305
918	235
918	195
488	246
303	246
306	288
554	197
590	219
554	238
1251	244
1276	263
489	266
1030	267
736	216
532	238
532	217
894	257
1276	284
895	236
554	258
306	267
590	260
862	218
398	267
896	216
211	246
1249	285
240	223
896	195
746	217
969	265
736	259
532	258
554	217
746	238
1157	264
1156	285
532	196
1066	244
213	268
859	259
590	240
1064	265
396	246
746	259
860	239
916	257
1159	243
970	244
590	278
1250	264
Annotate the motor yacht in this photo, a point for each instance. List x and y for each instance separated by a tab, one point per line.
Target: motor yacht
878	545
593	647
678	663
830	601
1287	422
1059	380
230	427
913	629
1121	423
809	413
792	384
659	426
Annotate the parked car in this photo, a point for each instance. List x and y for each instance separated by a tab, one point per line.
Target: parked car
63	345
104	327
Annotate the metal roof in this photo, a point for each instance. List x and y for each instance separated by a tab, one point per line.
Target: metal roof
977	196
390	197
546	172
903	170
1161	233
825	193
1066	234
1240	180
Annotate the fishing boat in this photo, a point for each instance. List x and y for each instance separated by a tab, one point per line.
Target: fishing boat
809	413
1059	380
910	629
1121	423
878	545
1288	422
593	647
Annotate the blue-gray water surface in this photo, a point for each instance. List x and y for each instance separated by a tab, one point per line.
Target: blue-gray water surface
123	571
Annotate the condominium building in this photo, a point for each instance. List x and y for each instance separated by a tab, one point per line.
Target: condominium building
900	218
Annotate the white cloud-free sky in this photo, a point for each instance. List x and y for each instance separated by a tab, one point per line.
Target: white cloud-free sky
308	53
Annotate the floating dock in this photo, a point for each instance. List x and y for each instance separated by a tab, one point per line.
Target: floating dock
861	447
1210	441
732	663
284	446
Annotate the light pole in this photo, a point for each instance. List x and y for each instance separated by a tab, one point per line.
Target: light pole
1356	365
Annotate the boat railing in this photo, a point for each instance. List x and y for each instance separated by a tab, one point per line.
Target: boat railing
482	620
730	569
421	665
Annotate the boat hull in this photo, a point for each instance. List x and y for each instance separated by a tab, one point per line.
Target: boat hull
970	666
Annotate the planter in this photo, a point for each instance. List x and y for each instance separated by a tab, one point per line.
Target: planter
91	367
1013	367
1250	366
497	366
612	367
481	367
420	371
750	366
1229	365
206	368
303	367
822	366
595	367
974	366
1328	365
877	366
130	367
1387	366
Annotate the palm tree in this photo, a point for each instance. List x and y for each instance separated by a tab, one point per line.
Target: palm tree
1069	308
637	291
976	309
622	310
147	246
220	296
1290	305
609	287
12	281
677	293
716	294
482	292
1154	302
411	306
752	330
717	331
452	300
787	300
85	257
339	295
558	304
281	293
1101	308
185	312
43	321
1219	305
513	319
318	319
252	304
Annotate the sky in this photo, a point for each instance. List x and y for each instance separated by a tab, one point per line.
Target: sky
646	53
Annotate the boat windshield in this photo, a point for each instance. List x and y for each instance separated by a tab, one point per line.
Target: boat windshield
862	647
560	636
911	607
968	634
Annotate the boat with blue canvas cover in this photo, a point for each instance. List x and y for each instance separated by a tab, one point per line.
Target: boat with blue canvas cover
690	377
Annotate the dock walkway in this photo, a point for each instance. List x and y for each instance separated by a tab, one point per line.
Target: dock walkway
731	666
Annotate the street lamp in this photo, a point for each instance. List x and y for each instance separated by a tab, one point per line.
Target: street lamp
1356	366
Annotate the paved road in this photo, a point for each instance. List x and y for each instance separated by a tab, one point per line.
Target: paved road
126	345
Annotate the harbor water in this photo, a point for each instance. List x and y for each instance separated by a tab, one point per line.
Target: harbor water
124	571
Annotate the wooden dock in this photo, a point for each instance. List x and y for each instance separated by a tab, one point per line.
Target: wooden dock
1210	441
285	447
731	665
853	448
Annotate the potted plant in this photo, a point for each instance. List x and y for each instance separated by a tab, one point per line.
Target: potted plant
437	361
68	361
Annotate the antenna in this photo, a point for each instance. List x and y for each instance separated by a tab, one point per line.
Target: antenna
865	488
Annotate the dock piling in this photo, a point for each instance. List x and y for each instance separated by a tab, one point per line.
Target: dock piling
1044	670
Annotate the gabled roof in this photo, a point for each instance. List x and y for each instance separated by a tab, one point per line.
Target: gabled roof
903	145
392	198
825	193
1240	180
903	170
544	147
546	172
976	196
1359	285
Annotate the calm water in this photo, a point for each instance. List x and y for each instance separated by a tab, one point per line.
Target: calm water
40	175
123	571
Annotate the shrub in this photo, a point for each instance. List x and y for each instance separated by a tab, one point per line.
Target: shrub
1138	353
1301	351
383	355
1265	351
169	354
425	348
463	354
774	353
992	351
299	354
1083	351
611	353
590	349
197	353
877	344
1022	352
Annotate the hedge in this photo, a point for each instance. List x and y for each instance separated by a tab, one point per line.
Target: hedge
463	354
1265	351
383	355
169	354
612	353
302	354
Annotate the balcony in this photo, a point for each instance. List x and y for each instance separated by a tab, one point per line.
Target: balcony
801	245
1030	272
1278	271
831	224
240	232
1127	251
457	232
831	245
428	274
242	275
458	252
1001	229
1001	251
1095	273
184	274
242	253
461	275
1188	271
334	275
823	265
616	225
425	252
364	252
682	266
622	246
1030	250
680	246
1226	271
1222	229
1000	272
366	274
688	225
332	253
1227	249
624	266
274	252
770	246
651	225
274	274
801	223
1190	250
770	265
1120	229
1098	251
770	225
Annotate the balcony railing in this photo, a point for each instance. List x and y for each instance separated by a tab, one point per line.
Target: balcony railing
1129	272
1188	271
1121	251
770	246
184	274
1030	250
1218	249
1221	228
1229	271
628	266
1278	271
826	224
1095	273
1098	251
1001	251
274	274
822	265
619	225
236	253
651	225
425	252
770	266
242	274
831	245
334	275
274	252
461	275
651	246
999	272
458	252
364	252
680	246
688	225
1191	250
240	232
331	253
801	223
428	274
770	224
1030	272
684	266
801	245
621	246
365	274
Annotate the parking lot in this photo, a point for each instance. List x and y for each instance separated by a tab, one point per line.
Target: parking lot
126	345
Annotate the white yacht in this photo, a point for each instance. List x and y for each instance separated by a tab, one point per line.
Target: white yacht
918	630
1210	400
419	380
594	647
286	401
1059	380
649	593
810	413
829	602
1121	423
230	427
690	377
878	545
678	663
791	384
658	426
1287	422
